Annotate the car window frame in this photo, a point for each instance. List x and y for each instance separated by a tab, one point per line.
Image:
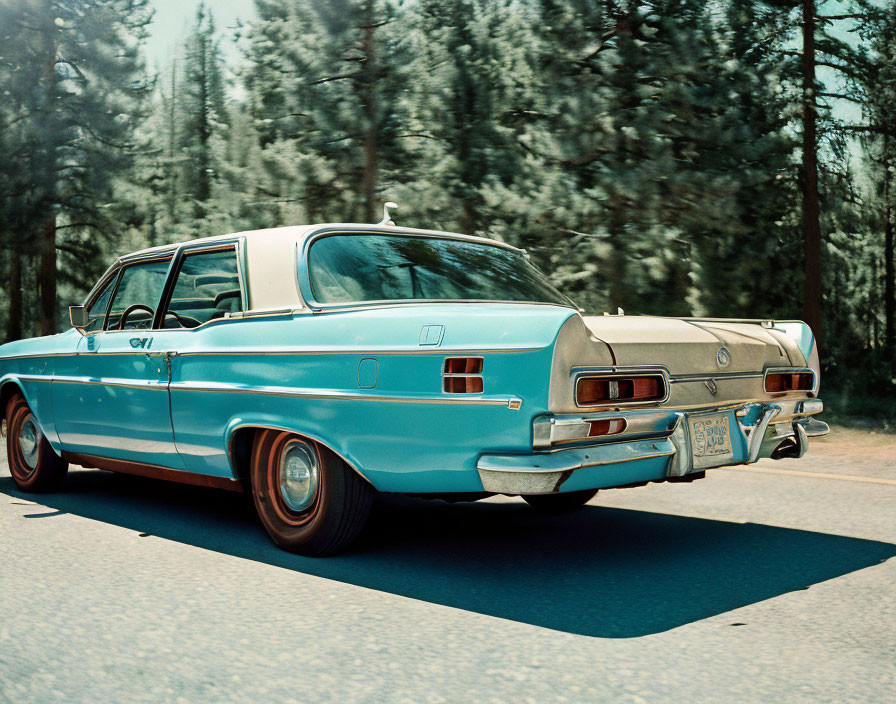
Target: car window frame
108	281
235	246
170	257
303	270
174	253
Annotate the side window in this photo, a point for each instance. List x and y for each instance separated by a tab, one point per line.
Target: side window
138	293
96	314
207	287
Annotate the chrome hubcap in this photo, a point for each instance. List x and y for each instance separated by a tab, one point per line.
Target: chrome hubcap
299	473
29	441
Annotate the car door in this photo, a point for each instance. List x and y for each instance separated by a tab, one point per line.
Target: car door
207	287
111	399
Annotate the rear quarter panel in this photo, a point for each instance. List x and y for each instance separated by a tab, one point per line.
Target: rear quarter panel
301	373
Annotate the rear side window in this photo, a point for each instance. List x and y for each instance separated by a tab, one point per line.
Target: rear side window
376	267
207	288
138	293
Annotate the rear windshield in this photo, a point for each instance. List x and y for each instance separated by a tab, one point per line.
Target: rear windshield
357	268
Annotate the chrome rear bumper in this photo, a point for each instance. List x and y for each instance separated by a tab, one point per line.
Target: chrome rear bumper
650	435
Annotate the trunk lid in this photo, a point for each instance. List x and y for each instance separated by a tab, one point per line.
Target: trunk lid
694	346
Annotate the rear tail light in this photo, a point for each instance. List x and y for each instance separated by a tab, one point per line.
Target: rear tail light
777	382
463	365
610	390
606	427
463	385
462	375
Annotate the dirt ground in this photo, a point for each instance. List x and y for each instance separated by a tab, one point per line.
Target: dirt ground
872	452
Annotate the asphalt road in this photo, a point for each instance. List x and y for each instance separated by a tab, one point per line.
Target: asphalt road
768	583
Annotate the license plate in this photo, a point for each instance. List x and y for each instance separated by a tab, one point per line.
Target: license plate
710	440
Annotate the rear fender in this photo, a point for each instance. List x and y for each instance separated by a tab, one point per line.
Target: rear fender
238	463
802	335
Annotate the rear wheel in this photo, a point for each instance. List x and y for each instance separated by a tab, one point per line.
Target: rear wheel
309	500
33	464
560	503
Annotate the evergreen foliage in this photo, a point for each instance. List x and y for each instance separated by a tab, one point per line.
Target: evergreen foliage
671	157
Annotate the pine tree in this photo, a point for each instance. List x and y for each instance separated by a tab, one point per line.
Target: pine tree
201	104
323	87
76	88
879	107
469	64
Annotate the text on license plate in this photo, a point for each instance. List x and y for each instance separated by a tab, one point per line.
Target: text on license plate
710	440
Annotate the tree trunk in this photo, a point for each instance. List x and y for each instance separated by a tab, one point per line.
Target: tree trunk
204	189
812	292
172	171
889	283
14	291
48	226
617	285
371	137
48	276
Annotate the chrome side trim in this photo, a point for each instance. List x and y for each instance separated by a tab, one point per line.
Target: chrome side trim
441	351
33	377
261	351
334	394
123	383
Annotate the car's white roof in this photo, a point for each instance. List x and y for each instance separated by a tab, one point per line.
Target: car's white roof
271	256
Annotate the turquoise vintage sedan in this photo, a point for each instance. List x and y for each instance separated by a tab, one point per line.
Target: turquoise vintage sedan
315	366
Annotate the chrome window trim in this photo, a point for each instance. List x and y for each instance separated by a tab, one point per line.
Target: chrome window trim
205	248
175	253
303	275
98	287
347	307
142	260
579	373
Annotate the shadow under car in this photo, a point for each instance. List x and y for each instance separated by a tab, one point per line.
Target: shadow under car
602	572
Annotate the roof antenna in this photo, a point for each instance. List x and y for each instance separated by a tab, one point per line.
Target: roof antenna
387	219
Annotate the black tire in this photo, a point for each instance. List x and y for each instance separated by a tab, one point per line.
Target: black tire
560	503
335	513
36	468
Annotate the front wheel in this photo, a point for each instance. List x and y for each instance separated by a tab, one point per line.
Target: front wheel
33	464
560	503
309	500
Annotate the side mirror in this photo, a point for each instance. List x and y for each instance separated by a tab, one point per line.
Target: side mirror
78	317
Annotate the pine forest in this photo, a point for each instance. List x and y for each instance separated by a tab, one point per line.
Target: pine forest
724	158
